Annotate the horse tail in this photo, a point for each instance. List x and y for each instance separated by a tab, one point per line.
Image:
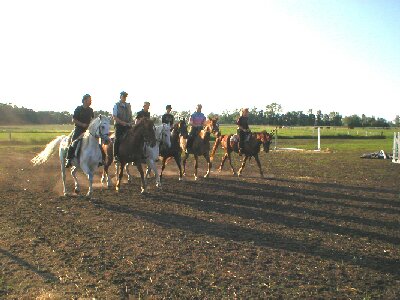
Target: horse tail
43	156
216	144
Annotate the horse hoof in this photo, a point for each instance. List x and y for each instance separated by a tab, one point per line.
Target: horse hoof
239	174
77	191
207	175
143	192
180	179
195	178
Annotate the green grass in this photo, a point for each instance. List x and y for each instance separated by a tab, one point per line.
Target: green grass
26	137
311	132
32	134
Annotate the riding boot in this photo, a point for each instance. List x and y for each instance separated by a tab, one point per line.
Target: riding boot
116	150
70	155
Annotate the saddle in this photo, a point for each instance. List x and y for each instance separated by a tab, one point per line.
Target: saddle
234	140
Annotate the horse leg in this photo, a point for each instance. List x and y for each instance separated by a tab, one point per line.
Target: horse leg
73	174
90	178
209	164
162	167
148	169
63	177
105	176
178	163
259	165
230	162
196	164
184	163
222	162
143	181
117	169
242	166
128	173
151	165
120	174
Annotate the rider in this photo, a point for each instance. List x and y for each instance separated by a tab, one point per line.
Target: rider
144	113
243	128
197	120
122	114
83	114
168	118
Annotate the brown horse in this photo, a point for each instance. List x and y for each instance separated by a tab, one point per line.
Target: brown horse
131	150
201	146
179	130
251	149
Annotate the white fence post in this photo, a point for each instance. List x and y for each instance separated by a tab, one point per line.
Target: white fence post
319	139
396	148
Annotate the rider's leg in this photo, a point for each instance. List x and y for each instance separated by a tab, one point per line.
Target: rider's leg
242	137
118	134
71	149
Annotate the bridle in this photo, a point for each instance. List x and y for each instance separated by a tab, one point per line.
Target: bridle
99	133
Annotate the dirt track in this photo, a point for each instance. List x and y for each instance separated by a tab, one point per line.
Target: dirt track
321	226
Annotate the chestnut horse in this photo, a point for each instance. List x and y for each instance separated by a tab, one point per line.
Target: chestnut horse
131	149
201	146
179	130
251	149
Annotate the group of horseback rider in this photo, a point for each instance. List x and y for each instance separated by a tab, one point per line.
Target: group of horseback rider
123	120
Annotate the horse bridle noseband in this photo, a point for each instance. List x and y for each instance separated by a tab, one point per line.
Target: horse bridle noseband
100	135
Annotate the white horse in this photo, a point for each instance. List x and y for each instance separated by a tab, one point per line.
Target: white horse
163	136
89	156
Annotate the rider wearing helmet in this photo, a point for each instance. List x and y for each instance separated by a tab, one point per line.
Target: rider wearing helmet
243	128
168	118
122	114
144	113
197	120
82	116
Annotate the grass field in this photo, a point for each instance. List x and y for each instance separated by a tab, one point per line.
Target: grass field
334	138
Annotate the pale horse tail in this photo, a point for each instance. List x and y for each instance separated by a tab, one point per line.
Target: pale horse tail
43	156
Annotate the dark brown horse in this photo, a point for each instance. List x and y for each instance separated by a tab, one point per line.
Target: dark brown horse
251	149
131	149
179	130
201	146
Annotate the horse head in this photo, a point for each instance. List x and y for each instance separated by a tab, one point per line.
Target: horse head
163	134
265	138
212	125
147	127
100	128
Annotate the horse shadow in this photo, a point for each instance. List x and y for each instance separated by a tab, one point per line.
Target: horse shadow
48	276
232	232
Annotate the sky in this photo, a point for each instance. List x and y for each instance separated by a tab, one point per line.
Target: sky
328	55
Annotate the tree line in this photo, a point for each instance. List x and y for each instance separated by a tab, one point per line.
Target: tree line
272	115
